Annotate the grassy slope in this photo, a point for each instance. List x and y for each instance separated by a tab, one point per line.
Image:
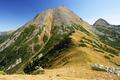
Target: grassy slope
79	55
76	62
111	36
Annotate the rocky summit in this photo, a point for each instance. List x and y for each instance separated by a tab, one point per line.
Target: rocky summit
59	42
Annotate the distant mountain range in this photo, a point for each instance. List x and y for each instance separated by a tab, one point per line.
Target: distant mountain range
59	39
4	35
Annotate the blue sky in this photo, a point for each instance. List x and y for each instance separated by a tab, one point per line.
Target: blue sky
15	13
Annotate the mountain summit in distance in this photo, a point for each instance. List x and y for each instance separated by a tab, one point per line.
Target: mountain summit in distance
101	22
109	34
61	43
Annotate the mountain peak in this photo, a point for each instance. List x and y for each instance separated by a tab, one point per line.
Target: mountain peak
57	16
101	22
61	7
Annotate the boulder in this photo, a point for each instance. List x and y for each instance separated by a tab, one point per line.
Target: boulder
39	70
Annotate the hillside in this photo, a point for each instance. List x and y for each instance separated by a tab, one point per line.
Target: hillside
109	34
57	40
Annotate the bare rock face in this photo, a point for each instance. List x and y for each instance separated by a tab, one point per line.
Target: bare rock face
58	16
55	17
62	15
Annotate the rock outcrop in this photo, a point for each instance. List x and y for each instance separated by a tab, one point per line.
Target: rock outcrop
99	67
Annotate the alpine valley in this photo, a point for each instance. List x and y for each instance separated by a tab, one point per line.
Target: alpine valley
58	42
